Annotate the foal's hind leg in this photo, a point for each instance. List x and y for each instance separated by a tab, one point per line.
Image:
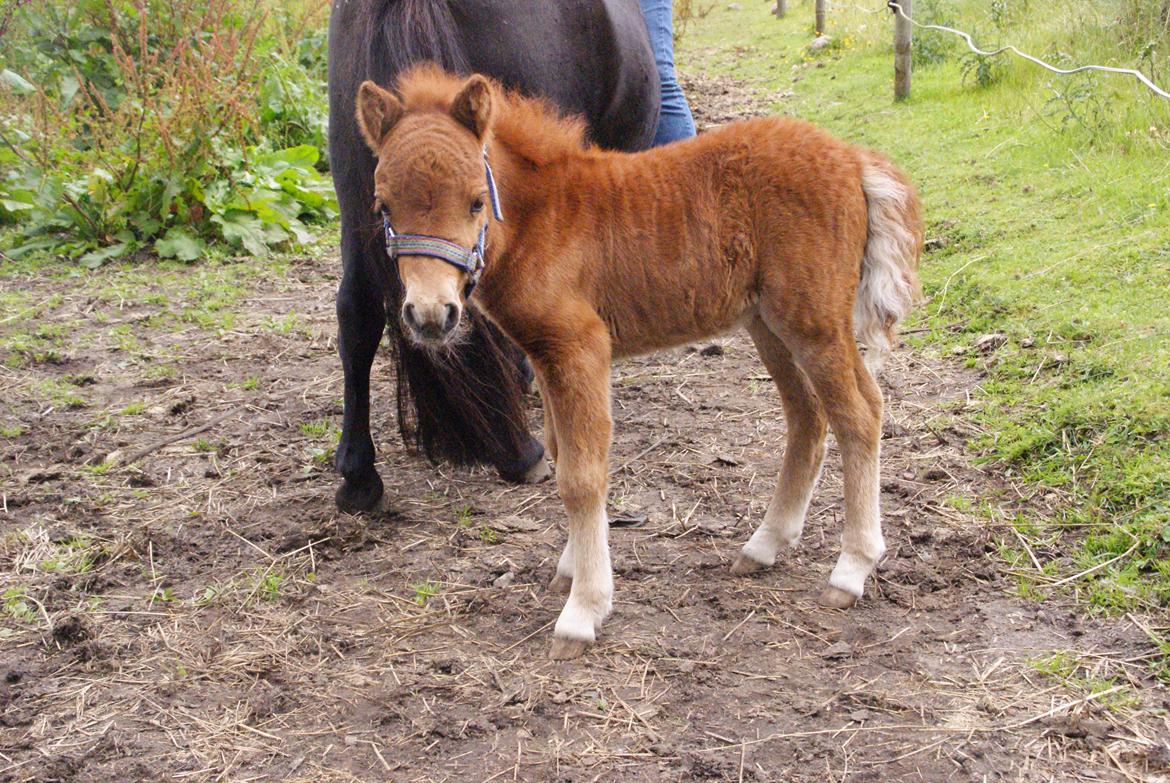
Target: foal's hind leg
853	403
804	452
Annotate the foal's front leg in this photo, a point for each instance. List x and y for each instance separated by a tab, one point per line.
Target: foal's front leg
576	381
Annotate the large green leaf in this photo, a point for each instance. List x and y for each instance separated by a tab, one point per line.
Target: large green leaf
96	258
18	83
180	243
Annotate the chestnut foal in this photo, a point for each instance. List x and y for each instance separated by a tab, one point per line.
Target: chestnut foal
770	224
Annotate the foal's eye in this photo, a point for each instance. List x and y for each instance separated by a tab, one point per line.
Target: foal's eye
477	206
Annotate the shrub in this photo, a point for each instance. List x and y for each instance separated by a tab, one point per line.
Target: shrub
933	46
130	125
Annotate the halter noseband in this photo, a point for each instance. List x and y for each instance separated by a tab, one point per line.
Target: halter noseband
467	260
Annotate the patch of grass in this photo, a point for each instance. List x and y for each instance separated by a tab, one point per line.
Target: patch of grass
42	345
204	446
1068	668
59	394
135	408
248	384
11	431
321	428
1050	221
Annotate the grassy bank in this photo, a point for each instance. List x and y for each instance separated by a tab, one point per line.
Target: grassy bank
1048	204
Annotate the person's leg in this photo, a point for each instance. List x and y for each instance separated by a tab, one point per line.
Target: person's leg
674	119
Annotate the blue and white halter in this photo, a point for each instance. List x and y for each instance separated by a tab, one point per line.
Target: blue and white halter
468	260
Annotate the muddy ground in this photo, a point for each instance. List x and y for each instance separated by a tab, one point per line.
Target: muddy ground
207	614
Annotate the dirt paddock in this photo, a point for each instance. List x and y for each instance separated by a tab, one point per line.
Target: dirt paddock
208	615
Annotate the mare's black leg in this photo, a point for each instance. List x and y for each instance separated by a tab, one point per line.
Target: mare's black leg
361	318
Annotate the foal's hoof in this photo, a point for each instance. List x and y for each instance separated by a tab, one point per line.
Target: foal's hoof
746	565
567	649
835	598
561	584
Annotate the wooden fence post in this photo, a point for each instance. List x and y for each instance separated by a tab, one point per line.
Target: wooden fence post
902	50
820	17
780	9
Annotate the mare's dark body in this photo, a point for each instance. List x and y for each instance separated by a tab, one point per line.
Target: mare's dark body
591	57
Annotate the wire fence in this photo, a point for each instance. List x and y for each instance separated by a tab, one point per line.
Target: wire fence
900	12
896	7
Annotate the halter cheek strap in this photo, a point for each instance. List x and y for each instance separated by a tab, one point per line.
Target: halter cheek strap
468	260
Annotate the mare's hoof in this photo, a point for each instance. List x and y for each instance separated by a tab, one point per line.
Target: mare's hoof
835	598
567	649
746	565
560	584
356	498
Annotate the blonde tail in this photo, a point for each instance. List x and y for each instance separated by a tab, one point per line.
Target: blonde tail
889	285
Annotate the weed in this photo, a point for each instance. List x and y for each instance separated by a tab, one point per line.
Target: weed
463	515
204	446
18	605
268	587
11	431
488	536
209	594
321	456
287	324
321	428
163	595
423	591
76	555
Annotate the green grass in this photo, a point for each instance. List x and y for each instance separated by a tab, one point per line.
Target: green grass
1051	200
1070	670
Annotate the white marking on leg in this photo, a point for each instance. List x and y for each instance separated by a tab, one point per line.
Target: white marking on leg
850	573
565	564
862	544
591	597
784	520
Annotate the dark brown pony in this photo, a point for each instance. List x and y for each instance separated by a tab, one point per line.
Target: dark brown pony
770	224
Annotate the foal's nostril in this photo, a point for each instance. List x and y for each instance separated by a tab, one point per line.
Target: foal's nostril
451	319
409	316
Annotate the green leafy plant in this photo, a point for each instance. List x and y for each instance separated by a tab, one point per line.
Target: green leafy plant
423	591
143	125
18	605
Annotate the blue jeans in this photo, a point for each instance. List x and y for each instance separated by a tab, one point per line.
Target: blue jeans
674	118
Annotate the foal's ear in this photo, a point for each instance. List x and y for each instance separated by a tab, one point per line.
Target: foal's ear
472	107
377	111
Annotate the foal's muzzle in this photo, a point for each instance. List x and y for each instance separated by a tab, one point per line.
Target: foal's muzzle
431	323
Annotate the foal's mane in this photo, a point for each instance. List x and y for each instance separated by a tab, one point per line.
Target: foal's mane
530	127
